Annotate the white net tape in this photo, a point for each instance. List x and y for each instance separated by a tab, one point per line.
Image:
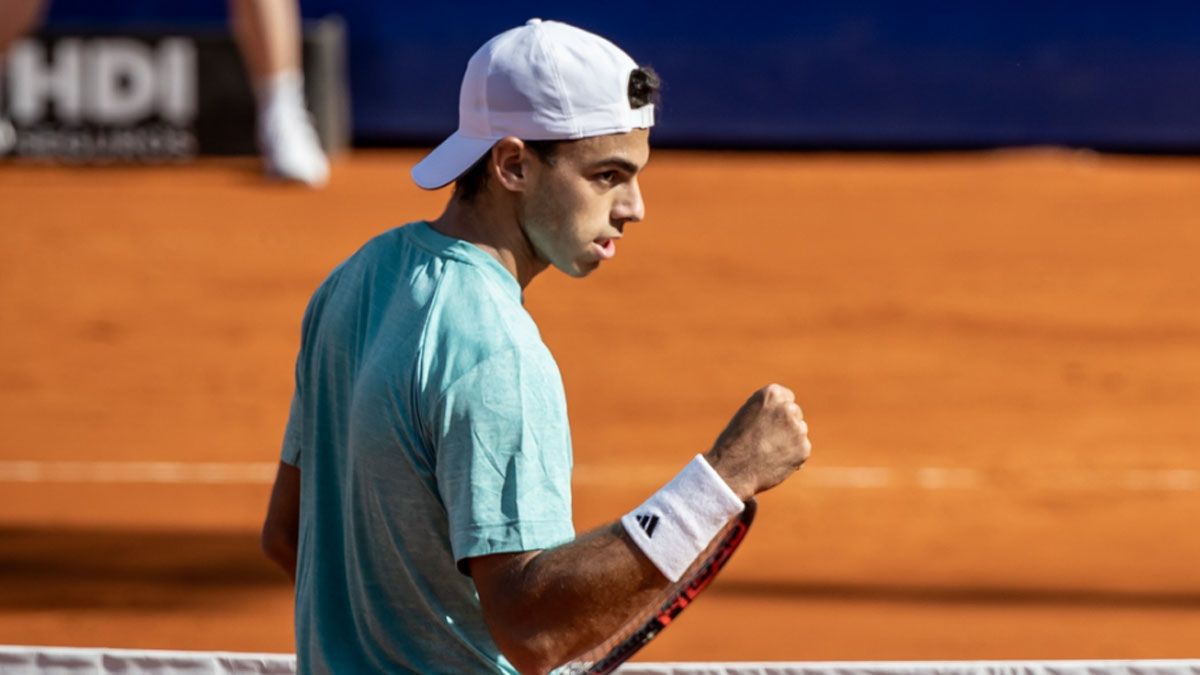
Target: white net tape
71	661
1158	667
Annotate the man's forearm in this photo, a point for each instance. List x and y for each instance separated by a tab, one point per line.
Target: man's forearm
281	529
544	607
552	605
280	548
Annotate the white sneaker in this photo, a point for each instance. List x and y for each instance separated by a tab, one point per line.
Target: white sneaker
290	148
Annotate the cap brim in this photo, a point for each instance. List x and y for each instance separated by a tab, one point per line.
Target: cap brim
449	160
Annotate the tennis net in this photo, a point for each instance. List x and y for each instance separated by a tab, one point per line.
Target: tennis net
19	660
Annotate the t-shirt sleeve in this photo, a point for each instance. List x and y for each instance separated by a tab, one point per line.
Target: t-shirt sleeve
292	436
503	456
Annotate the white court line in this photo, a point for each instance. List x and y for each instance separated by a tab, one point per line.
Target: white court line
831	477
608	475
170	473
851	477
939	478
1171	480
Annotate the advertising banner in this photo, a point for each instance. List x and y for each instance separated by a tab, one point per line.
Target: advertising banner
150	95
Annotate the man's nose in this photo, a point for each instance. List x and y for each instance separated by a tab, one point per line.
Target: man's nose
630	207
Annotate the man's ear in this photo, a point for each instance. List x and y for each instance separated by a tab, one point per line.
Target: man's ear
508	165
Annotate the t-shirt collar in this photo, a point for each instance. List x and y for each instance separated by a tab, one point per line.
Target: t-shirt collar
467	252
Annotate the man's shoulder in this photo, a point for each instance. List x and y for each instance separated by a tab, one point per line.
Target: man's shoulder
477	324
396	263
471	322
369	256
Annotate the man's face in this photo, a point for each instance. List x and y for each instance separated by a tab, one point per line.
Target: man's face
575	209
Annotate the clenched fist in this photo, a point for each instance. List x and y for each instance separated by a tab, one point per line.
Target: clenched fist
765	442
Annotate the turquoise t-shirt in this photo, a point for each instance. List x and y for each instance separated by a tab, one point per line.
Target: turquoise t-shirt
430	426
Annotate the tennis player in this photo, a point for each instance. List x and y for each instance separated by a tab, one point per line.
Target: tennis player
423	499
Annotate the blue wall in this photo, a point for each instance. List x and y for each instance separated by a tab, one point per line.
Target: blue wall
1110	74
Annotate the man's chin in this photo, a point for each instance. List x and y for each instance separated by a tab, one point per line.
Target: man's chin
582	270
578	269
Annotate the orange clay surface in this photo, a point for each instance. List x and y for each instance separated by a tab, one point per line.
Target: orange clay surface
999	355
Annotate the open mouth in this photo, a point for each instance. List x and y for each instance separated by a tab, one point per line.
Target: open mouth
608	248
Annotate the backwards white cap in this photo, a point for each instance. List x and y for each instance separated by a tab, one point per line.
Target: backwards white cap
542	81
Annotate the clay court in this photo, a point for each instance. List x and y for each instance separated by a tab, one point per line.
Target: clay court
998	353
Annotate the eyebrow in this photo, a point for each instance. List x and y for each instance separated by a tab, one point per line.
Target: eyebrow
620	162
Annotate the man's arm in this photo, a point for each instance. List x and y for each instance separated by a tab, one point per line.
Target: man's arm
281	530
543	607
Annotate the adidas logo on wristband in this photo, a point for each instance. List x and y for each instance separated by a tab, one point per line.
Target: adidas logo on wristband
647	523
695	505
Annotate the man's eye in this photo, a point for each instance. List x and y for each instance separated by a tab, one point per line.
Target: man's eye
607	177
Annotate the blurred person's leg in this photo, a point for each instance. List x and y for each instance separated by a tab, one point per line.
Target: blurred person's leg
17	17
268	33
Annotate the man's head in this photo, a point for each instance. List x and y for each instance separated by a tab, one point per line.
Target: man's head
642	91
554	122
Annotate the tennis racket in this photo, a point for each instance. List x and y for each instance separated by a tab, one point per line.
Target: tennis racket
646	625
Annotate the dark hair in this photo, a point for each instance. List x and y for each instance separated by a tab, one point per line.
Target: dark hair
471	182
644	88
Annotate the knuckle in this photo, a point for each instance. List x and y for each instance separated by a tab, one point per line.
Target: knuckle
778	392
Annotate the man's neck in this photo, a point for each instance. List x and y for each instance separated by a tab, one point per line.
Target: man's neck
495	229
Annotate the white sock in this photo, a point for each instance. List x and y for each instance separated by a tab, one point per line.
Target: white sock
279	92
287	139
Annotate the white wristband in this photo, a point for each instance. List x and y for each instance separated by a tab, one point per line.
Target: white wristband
677	523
